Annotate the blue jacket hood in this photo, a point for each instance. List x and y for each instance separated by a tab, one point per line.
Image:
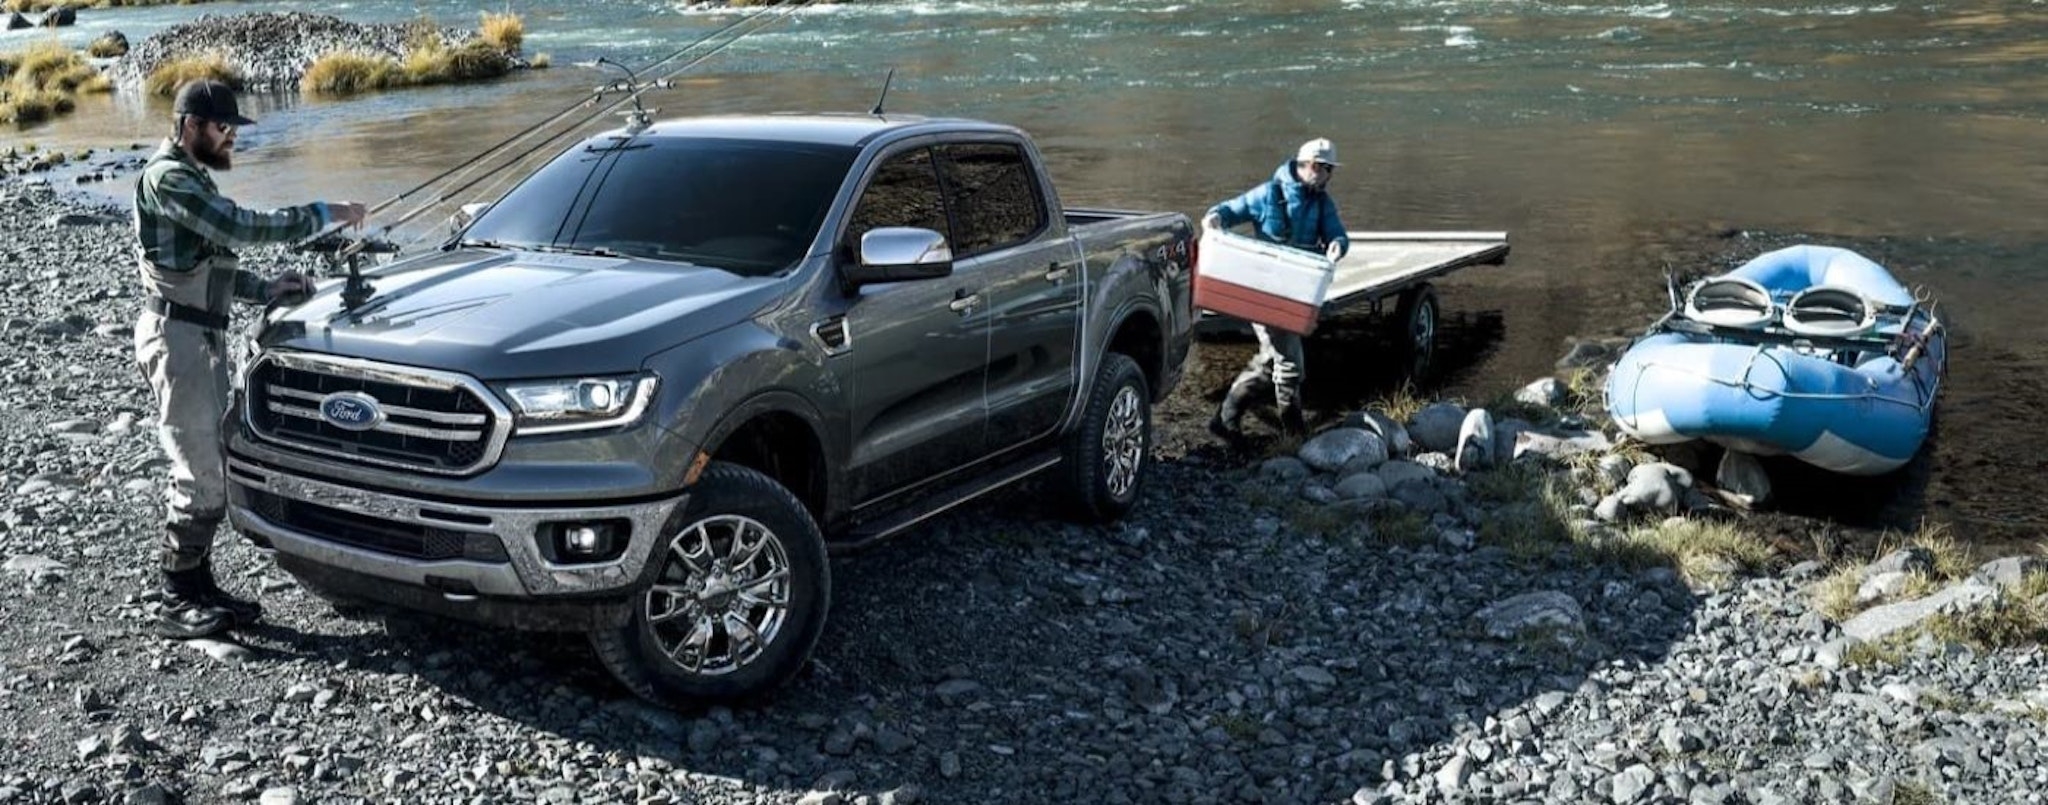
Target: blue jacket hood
1286	210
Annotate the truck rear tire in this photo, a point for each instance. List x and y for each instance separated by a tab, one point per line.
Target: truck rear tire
1414	330
738	601
1106	455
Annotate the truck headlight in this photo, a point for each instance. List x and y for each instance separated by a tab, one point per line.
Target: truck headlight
578	403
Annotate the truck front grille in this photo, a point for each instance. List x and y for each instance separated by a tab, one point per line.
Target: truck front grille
415	419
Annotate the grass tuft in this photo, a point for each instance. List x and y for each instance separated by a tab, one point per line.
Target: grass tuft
1400	405
429	59
165	80
43	81
502	31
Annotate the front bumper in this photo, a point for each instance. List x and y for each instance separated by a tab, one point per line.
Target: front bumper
462	551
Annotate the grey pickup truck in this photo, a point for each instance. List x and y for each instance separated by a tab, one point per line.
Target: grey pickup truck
647	391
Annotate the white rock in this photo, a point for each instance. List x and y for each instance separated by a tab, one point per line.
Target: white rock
1561	446
1875	624
1547	392
220	650
1548	610
1882	586
32	565
1475	442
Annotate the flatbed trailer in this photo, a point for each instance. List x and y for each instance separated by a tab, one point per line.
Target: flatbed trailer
1398	267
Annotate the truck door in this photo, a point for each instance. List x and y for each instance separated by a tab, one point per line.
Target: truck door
1004	231
919	347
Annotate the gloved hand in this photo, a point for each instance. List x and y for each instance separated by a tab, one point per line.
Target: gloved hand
289	288
1212	222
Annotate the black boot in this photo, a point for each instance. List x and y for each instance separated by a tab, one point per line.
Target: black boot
246	612
1224	425
185	614
1292	422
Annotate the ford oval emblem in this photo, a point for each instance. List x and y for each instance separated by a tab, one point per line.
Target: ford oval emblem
351	410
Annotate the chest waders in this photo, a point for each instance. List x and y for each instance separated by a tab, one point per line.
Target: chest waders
179	343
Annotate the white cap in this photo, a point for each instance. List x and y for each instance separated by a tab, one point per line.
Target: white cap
1317	150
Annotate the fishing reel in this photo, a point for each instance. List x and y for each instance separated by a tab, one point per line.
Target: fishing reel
342	252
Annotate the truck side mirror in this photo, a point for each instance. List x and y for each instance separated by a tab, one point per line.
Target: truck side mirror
895	253
467	213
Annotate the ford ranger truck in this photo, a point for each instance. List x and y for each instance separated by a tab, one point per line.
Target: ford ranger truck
647	391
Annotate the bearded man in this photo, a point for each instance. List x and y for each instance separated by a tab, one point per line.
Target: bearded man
186	232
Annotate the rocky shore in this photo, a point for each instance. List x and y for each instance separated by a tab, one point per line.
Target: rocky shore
1439	606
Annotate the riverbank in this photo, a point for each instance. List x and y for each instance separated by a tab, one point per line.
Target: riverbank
1338	621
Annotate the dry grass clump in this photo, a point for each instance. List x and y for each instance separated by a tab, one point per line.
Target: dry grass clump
1400	405
502	31
44	81
105	48
429	59
165	80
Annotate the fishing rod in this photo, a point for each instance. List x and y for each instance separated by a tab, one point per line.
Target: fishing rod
634	89
781	12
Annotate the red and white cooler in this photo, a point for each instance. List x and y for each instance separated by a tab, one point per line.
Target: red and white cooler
1261	282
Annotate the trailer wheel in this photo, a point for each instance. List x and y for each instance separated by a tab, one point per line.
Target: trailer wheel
1414	330
738	602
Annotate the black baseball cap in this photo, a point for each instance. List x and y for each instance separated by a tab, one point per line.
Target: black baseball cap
210	100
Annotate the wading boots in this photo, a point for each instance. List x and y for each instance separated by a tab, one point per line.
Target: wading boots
195	606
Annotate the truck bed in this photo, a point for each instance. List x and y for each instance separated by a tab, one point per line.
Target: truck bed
1383	263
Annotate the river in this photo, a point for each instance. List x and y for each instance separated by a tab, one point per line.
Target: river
1608	139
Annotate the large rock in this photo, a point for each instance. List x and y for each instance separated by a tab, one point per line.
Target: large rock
1396	472
2009	573
1361	485
1349	449
1549	611
1655	489
16	22
1910	559
1561	445
1421	497
1743	478
1548	392
1475	442
59	17
1399	443
1878	623
1435	427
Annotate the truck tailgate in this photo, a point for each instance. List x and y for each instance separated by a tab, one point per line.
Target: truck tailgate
1381	263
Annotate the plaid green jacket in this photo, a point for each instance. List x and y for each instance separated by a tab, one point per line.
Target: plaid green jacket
181	219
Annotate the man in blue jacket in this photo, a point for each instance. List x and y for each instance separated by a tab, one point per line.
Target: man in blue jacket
1294	209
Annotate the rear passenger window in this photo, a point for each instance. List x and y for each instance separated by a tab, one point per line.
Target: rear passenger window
903	192
993	195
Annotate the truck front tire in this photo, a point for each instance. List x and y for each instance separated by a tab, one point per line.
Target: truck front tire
1106	455
737	603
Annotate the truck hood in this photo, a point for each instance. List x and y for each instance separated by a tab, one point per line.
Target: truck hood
495	315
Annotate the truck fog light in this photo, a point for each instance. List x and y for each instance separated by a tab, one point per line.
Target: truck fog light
585	540
581	542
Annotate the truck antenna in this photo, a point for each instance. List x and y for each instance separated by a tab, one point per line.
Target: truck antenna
877	111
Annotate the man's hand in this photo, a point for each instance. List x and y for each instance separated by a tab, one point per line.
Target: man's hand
290	288
1212	222
1335	251
352	213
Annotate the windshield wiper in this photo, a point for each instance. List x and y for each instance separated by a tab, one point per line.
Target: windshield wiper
486	244
585	251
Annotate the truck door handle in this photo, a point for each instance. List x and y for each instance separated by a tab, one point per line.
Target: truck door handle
1058	273
963	302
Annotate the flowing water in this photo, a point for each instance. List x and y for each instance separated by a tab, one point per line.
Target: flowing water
1609	139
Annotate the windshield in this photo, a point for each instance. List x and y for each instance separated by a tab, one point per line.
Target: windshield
748	207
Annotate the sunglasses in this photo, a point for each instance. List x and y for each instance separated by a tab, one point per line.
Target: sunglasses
223	128
1322	166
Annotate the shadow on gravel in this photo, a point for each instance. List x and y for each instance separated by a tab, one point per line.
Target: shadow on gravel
1207	649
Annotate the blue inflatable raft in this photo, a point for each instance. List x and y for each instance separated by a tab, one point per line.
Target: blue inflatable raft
1810	351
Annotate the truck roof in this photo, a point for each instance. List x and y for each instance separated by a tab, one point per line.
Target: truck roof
826	129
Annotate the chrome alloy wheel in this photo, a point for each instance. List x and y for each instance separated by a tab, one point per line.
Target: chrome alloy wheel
1123	442
723	596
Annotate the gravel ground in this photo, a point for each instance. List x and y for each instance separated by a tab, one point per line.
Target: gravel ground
1205	650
